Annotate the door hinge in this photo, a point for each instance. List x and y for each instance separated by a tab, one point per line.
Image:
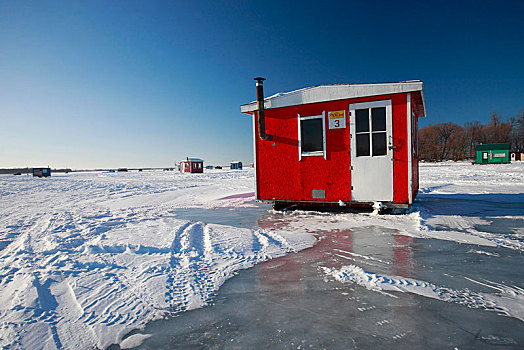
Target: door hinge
351	167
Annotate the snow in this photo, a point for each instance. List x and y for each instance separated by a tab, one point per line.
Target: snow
133	341
88	257
85	258
509	301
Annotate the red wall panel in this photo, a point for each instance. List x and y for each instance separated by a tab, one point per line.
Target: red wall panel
280	174
400	153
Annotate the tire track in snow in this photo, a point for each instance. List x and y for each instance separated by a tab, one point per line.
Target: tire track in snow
201	260
190	281
114	299
88	240
260	244
276	239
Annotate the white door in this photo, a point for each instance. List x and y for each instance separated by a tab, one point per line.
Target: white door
371	151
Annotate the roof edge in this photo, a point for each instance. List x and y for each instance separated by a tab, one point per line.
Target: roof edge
324	93
493	146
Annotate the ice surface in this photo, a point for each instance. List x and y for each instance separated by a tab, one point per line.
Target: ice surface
510	302
89	259
290	302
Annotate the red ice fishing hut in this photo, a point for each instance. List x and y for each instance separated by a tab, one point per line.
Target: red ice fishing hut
192	165
348	144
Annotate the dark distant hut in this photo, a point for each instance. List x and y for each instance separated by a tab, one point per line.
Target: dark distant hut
42	172
236	165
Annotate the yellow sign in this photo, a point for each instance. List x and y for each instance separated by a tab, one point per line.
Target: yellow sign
336	115
337	119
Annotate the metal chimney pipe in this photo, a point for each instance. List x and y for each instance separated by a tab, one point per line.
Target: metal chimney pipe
260	106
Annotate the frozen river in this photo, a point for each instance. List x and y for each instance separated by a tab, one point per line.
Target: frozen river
290	302
162	260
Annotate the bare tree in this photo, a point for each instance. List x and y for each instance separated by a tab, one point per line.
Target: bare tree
458	144
428	143
473	137
497	131
445	135
517	132
442	141
445	141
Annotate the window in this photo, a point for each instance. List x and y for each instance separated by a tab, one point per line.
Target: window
311	136
362	144
371	141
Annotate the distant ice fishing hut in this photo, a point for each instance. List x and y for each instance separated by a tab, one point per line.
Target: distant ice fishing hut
493	153
192	165
347	145
235	165
517	156
42	172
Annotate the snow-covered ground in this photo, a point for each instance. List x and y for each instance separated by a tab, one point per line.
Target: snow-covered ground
87	257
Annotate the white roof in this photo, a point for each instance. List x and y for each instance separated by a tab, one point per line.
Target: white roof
323	93
192	160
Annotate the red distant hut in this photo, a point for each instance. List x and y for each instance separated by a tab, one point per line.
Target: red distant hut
192	165
517	156
349	144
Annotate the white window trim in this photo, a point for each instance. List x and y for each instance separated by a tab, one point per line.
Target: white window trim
316	153
352	128
372	104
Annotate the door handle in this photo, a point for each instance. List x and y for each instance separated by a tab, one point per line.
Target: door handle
390	145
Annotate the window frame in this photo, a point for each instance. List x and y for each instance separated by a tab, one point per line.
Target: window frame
369	106
314	153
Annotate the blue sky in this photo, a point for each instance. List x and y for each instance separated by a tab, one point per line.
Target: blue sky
100	84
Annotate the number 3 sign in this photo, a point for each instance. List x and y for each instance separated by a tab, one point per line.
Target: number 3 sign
337	120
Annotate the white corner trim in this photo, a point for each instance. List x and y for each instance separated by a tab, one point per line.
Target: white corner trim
299	139
255	155
410	150
324	133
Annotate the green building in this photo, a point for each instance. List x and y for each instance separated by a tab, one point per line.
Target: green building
493	153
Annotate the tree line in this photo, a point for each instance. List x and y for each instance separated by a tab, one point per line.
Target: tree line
449	141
